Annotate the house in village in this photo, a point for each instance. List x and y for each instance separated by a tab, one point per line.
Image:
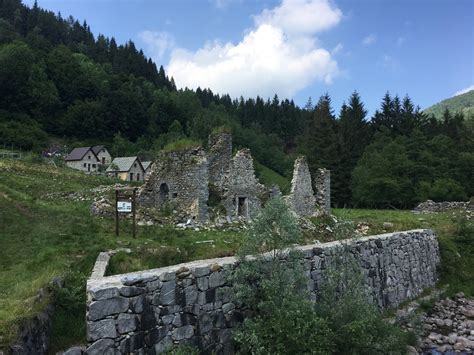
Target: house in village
103	154
83	158
88	158
126	169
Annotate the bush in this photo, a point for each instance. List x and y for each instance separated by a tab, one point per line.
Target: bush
358	326
272	287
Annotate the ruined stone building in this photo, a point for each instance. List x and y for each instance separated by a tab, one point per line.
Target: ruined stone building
178	180
301	198
203	184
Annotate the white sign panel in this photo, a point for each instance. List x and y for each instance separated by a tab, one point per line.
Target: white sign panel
124	206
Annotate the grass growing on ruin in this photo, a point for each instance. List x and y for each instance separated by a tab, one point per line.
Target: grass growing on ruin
181	144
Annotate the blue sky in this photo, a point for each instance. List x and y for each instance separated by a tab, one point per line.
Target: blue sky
298	48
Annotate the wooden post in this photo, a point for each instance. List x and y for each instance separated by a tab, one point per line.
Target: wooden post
116	213
133	210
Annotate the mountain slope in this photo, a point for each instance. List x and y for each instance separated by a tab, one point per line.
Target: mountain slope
461	103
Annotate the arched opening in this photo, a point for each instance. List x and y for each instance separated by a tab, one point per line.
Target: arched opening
164	193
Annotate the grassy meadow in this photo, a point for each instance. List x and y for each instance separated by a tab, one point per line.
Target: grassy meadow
43	237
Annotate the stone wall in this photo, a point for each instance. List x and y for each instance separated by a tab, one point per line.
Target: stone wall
301	199
220	160
242	189
156	310
178	180
322	186
430	206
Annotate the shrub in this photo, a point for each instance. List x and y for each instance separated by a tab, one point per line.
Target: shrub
282	319
358	326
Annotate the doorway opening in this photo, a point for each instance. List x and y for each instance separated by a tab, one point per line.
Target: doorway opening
164	193
242	207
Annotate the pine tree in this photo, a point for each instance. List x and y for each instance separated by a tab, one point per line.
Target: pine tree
354	136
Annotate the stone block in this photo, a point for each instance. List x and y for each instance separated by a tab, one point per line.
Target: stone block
168	293
185	332
216	279
201	271
126	323
101	347
136	304
101	309
202	283
99	294
101	329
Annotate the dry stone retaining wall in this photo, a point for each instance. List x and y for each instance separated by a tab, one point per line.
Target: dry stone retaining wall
155	310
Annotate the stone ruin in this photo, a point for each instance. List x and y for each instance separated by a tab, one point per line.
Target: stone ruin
430	206
199	185
178	181
301	198
322	186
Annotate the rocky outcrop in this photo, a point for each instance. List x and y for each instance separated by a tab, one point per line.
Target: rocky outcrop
301	199
192	303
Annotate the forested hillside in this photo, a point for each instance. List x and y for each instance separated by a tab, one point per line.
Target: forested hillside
460	103
58	80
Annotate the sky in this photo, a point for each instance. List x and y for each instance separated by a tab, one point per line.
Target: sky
297	48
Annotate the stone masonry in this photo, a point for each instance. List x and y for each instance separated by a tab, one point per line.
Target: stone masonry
322	186
220	160
189	181
156	310
178	180
301	199
242	189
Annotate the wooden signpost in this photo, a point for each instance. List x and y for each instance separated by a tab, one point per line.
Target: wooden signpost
125	203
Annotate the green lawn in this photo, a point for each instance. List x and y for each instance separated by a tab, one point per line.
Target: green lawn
46	237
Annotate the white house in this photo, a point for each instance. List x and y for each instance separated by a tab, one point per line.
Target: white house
103	154
83	158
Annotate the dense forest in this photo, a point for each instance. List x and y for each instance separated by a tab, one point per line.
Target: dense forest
57	80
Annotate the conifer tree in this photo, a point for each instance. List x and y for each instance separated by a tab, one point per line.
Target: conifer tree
354	135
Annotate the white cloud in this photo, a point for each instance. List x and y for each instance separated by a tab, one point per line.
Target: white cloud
301	16
158	42
279	54
463	91
370	39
